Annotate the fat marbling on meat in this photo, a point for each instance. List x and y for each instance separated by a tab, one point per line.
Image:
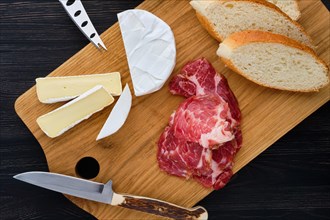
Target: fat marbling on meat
204	119
203	134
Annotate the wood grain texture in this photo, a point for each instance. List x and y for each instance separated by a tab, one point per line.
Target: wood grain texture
262	167
267	115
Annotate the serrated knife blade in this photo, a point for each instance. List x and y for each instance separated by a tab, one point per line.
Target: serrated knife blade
79	16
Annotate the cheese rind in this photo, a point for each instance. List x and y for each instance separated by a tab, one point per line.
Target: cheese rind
150	48
58	89
72	113
118	115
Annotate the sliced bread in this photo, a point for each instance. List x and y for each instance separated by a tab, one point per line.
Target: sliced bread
221	18
274	61
289	7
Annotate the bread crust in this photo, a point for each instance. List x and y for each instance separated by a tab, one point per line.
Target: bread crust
212	31
208	27
296	6
298	9
274	7
250	36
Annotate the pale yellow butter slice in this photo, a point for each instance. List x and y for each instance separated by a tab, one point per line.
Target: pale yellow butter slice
58	89
67	116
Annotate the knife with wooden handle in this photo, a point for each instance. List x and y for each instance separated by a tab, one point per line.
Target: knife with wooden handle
158	207
103	193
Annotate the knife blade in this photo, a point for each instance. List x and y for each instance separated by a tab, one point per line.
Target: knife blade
103	193
79	16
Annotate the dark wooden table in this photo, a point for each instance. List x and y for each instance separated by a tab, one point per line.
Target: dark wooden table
290	180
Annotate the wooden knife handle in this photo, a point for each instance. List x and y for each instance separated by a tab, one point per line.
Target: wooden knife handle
158	207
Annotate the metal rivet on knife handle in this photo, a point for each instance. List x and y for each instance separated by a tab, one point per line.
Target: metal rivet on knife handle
79	16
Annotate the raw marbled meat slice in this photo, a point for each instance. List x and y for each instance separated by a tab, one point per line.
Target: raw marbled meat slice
212	168
209	117
198	78
169	156
204	119
221	164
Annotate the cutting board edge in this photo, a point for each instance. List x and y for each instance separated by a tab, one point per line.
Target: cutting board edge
19	110
283	133
20	99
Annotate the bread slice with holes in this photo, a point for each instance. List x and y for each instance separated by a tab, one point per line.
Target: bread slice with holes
289	7
274	61
222	18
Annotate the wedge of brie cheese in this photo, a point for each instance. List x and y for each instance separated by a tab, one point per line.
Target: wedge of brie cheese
118	114
58	89
72	113
150	48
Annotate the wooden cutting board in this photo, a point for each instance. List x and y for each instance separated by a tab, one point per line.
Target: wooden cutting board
129	156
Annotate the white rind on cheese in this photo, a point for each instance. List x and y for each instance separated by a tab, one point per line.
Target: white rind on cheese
59	89
118	114
96	99
150	48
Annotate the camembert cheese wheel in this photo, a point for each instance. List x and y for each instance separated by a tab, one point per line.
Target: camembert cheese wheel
150	48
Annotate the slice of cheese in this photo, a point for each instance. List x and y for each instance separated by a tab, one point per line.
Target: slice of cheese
58	89
150	48
67	116
118	114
